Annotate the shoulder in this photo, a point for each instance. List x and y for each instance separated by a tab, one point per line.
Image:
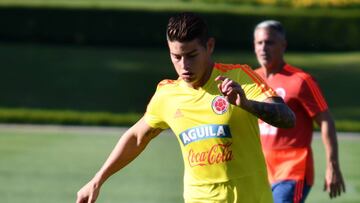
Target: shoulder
166	87
305	81
297	72
245	72
250	81
260	71
236	71
167	83
225	68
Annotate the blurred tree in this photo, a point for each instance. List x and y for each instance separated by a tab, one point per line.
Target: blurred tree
292	3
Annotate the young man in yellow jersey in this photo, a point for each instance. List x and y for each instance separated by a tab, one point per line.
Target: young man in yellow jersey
212	108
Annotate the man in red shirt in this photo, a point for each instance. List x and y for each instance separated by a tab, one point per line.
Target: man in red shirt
288	151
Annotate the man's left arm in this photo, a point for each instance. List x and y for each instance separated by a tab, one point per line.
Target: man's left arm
334	183
273	110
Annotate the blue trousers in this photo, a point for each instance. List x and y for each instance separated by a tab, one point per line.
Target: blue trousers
284	191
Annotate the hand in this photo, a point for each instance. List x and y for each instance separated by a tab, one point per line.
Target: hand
334	183
232	91
88	193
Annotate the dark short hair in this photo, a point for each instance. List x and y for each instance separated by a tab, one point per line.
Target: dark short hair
185	27
274	25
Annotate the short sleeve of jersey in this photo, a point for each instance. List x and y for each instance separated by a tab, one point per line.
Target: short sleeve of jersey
310	96
256	89
154	112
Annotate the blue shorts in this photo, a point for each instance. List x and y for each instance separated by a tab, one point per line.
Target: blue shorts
284	191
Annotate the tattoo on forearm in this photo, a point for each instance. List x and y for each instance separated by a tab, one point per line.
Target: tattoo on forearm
276	114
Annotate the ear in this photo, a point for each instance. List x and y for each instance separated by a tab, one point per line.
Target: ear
210	45
285	45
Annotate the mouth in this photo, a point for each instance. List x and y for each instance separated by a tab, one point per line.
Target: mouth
187	75
264	56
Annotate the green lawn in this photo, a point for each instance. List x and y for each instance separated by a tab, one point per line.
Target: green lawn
51	164
350	165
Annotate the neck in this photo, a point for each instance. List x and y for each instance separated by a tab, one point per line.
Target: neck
205	77
272	69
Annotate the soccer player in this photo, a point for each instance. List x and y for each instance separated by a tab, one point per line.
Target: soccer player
212	108
288	152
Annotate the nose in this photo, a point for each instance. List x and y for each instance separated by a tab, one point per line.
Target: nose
185	63
262	46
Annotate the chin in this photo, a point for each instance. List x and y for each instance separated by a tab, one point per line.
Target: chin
264	63
188	79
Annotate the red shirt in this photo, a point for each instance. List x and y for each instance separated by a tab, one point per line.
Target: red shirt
288	150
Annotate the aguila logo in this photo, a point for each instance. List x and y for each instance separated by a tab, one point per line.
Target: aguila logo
219	105
218	153
204	132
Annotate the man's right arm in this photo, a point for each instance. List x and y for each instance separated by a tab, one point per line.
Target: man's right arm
130	145
334	182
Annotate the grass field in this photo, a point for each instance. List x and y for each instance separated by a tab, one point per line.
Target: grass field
50	164
122	80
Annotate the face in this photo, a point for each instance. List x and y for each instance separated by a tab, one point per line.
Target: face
192	61
269	47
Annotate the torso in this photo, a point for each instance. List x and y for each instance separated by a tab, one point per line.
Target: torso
219	141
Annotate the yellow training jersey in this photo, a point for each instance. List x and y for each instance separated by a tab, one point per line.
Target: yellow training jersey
219	141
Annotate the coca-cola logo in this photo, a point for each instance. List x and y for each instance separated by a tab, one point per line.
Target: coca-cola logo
218	153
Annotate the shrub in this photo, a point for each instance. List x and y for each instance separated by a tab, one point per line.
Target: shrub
293	3
146	28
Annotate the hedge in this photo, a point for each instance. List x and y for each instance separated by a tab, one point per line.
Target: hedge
292	3
147	28
66	117
71	117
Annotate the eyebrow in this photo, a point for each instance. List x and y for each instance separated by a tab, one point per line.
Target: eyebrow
188	53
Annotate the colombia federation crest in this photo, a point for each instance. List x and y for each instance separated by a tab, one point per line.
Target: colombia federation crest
219	105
